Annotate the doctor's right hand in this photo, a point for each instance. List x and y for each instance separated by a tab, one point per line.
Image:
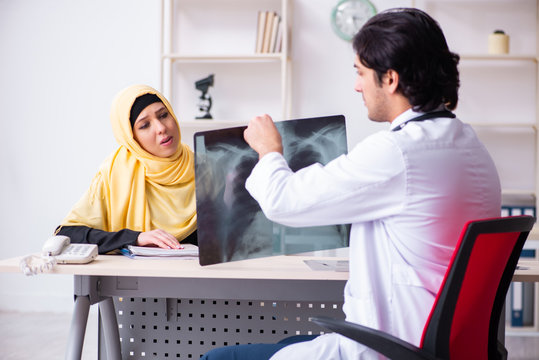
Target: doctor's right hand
262	135
159	238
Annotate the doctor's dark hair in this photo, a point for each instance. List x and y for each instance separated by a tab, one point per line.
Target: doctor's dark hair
411	43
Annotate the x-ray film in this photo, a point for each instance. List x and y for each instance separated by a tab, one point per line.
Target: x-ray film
231	225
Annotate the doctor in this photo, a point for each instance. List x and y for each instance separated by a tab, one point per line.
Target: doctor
407	191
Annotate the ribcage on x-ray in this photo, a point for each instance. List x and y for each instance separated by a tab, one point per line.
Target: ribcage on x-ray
231	225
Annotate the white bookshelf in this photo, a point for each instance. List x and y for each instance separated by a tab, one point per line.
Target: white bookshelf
499	94
503	88
203	37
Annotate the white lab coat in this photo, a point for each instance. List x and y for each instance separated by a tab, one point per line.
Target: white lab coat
407	195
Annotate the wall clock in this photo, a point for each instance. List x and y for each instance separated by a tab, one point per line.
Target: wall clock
348	16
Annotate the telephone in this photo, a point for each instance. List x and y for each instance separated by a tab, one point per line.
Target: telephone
58	249
61	248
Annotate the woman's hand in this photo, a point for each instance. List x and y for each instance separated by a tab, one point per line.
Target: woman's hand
159	238
262	135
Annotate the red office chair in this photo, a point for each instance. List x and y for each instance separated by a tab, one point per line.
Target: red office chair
463	323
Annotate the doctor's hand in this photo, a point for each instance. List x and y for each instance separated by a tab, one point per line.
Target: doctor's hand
159	238
262	135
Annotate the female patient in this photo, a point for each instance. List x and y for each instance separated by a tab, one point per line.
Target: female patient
144	192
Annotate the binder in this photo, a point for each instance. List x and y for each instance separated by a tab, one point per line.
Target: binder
521	298
516	304
518	204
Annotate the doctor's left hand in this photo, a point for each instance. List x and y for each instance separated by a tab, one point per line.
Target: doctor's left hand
262	135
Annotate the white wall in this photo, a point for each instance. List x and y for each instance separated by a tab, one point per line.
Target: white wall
62	61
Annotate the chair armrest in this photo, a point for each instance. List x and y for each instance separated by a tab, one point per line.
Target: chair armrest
384	343
502	351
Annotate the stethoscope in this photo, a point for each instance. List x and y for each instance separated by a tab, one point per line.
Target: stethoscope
430	115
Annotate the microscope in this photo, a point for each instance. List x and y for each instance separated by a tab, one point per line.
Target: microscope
205	102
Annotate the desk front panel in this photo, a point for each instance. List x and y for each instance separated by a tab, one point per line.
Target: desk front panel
158	328
187	317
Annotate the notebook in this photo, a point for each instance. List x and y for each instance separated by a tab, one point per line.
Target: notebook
231	225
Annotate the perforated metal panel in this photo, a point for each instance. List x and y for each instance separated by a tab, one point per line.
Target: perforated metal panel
187	328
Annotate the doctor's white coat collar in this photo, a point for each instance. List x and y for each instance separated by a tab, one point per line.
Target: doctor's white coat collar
404	117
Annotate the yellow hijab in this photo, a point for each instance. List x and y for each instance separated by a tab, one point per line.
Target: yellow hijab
134	189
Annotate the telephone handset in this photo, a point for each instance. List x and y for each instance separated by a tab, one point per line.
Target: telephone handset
58	249
64	252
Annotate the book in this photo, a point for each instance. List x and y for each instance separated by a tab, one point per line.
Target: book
267	31
279	38
274	30
261	25
187	251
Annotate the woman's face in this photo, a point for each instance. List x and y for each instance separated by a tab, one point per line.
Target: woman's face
156	131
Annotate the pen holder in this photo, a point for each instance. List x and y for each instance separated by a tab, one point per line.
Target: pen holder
498	43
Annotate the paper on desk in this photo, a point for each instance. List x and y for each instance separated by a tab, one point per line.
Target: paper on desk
189	251
328	265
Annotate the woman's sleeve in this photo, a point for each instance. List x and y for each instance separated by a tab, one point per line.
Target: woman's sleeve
105	241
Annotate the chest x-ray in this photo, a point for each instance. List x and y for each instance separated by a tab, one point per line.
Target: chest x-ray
231	225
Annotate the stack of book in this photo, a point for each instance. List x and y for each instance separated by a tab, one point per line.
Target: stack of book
269	36
516	210
518	204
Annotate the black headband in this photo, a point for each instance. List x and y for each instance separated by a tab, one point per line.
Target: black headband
140	104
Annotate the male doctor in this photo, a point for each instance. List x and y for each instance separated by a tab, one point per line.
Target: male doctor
407	191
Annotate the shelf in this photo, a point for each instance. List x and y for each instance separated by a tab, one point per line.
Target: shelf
520	331
213	124
186	28
508	192
197	58
508	57
504	125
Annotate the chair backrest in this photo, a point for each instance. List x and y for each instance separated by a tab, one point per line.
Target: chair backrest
463	323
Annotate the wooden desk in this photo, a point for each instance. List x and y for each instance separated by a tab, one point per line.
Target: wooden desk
283	280
527	271
264	287
275	267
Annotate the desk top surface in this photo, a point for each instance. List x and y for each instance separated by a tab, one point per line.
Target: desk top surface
528	270
291	267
